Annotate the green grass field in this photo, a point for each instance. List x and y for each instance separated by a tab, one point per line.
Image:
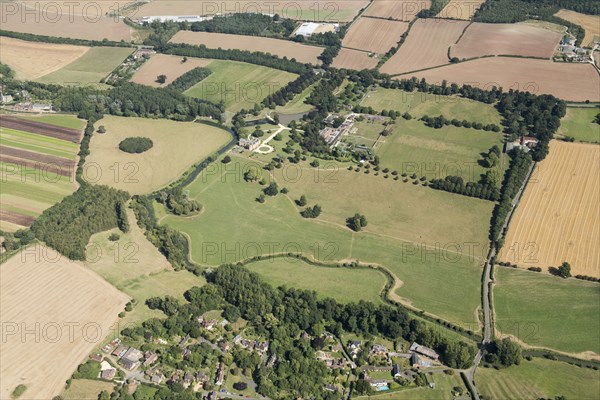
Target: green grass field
342	284
366	133
579	124
86	389
233	227
90	68
239	85
418	104
547	311
134	266
539	378
437	153
66	121
297	104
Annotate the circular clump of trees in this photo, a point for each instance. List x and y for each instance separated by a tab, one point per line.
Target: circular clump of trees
136	145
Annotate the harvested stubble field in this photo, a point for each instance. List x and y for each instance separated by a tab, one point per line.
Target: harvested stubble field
354	59
545	311
32	292
315	10
403	10
537	379
162	64
48	23
557	219
375	35
426	46
460	9
31	60
506	39
568	81
90	68
281	48
590	23
177	146
92	9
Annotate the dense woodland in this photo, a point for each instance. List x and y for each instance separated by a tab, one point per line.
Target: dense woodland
68	225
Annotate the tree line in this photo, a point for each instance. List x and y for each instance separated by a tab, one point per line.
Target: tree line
287	93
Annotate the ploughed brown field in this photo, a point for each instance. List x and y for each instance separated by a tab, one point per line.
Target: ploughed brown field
574	82
40	128
506	39
460	9
282	48
31	159
31	60
375	35
426	46
557	220
162	64
354	59
46	21
402	10
16	218
590	23
66	310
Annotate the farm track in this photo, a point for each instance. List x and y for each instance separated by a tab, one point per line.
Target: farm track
40	128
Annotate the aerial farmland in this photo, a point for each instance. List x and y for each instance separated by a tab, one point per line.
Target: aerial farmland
326	200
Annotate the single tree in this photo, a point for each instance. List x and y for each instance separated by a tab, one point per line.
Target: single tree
161	79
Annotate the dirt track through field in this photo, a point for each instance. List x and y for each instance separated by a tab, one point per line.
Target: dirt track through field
558	219
426	46
67	311
40	128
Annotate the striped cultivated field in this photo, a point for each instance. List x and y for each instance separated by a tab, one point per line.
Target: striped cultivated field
37	165
558	218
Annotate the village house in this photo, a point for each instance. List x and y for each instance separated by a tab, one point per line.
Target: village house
157	378
187	380
209	324
107	371
354	347
220	378
418	362
183	341
224	345
212	396
119	351
396	373
111	346
131	359
426	351
378	350
149	358
97	357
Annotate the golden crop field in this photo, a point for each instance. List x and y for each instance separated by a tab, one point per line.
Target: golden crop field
557	219
376	35
590	23
31	60
171	66
46	332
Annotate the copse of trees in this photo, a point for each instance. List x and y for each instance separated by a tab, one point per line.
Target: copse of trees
136	144
189	79
177	202
68	225
311	212
503	353
356	222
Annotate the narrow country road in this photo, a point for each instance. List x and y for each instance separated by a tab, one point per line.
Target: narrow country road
486	284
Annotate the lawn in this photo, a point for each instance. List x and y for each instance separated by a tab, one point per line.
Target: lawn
65	121
437	153
539	378
547	311
297	104
366	133
90	68
176	147
86	389
418	104
579	124
233	227
239	85
134	266
443	390
342	284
